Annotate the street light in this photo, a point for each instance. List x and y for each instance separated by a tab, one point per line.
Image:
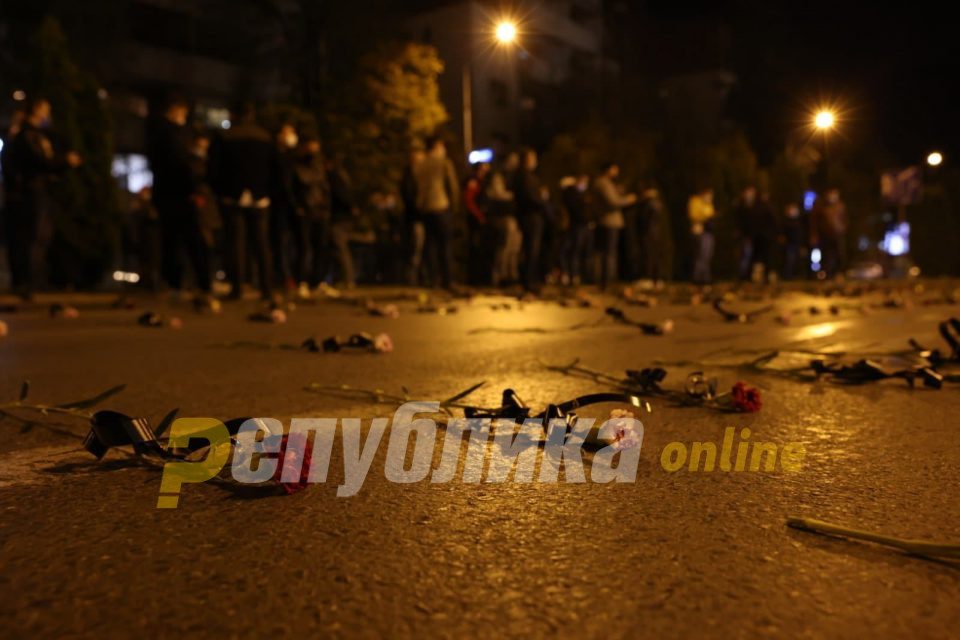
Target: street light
505	33
824	120
935	159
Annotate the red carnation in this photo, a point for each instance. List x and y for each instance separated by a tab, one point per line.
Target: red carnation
745	399
299	457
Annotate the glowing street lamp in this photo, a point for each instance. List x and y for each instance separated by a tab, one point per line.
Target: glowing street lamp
935	159
824	120
506	32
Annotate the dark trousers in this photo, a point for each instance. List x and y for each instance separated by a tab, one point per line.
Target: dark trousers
791	258
650	255
437	232
180	229
29	229
532	225
610	238
313	249
248	230
832	254
280	223
577	250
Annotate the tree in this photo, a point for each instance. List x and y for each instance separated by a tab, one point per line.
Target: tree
394	100
87	218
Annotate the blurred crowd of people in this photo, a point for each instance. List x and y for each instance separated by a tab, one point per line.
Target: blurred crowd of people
272	210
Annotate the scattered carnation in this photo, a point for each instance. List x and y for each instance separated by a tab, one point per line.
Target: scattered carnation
745	399
382	343
624	435
294	455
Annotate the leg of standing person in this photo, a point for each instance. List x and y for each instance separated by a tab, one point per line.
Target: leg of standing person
437	231
532	228
341	241
258	243
198	251
417	240
170	224
19	236
608	271
236	242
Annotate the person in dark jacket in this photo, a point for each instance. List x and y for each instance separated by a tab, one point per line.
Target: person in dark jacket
283	210
745	213
176	196
574	194
763	237
792	234
650	218
531	202
343	213
311	190
245	173
31	165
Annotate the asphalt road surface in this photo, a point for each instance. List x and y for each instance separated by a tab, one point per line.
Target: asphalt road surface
84	551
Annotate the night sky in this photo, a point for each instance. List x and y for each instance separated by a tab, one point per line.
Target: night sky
894	72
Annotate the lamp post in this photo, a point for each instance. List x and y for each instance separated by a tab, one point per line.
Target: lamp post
505	34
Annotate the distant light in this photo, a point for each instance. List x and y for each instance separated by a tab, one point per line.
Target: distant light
480	155
815	256
506	32
225	124
102	94
126	276
824	120
19	95
1	144
809	199
935	159
896	242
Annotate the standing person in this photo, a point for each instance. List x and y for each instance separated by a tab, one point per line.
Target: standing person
436	202
245	172
413	221
650	219
763	236
828	229
508	239
792	235
283	217
745	217
343	212
31	165
311	191
531	213
574	196
610	201
176	195
205	200
10	220
701	213
478	229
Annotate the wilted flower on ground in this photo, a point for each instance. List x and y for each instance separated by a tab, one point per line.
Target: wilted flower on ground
382	343
745	399
624	434
297	457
